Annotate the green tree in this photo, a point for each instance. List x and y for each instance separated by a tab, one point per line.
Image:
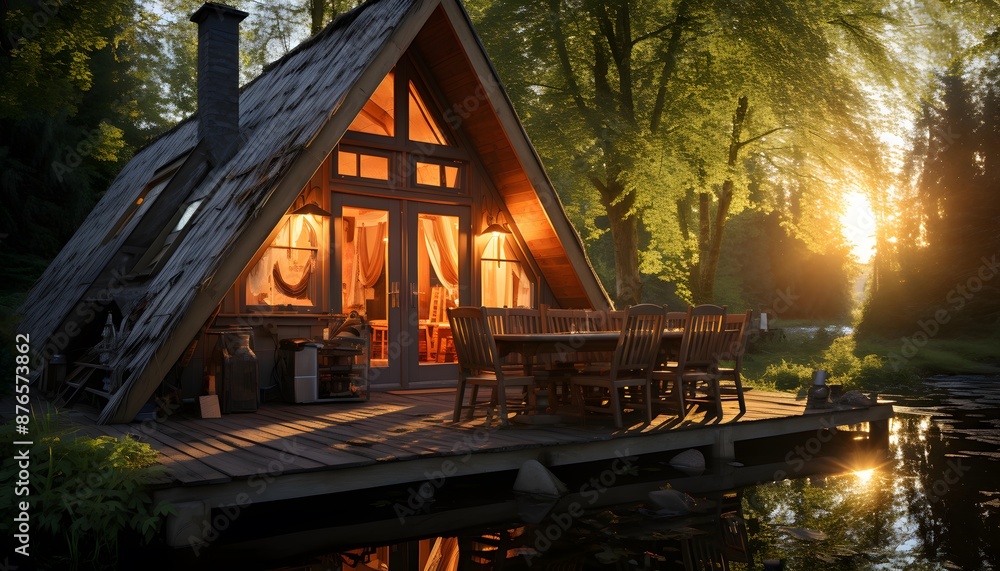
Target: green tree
73	105
271	30
648	108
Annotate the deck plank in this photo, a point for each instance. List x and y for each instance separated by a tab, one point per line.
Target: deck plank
326	440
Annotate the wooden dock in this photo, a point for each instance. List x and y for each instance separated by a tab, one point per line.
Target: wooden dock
400	437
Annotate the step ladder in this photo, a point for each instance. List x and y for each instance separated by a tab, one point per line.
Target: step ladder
83	380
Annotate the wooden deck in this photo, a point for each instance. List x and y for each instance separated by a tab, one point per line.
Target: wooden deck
400	437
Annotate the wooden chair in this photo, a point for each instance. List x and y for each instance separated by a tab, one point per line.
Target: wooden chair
524	320
631	366
565	320
697	361
479	366
514	320
676	319
614	319
436	307
734	345
435	316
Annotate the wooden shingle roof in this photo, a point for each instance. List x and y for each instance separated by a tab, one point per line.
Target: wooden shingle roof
291	117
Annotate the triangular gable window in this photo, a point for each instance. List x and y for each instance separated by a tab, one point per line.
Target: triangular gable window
423	127
378	115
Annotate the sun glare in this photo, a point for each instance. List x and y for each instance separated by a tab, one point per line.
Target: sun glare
858	226
864	476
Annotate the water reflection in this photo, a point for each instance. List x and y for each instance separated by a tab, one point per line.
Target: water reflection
934	505
931	503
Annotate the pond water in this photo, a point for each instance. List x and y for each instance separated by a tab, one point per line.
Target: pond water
931	503
935	504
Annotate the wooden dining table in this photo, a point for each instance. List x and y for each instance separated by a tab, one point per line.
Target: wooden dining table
531	345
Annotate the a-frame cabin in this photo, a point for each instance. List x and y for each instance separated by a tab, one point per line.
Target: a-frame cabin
363	171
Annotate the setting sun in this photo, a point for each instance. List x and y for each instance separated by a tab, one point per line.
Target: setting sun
858	226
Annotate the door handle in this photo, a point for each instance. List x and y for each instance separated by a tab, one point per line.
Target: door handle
416	293
394	294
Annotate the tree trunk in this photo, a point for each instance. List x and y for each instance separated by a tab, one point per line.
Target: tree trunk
625	236
709	237
317	11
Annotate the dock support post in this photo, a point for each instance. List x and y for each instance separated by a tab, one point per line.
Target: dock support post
723	448
186	527
878	433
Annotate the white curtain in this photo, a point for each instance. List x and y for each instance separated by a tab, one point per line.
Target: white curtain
442	250
368	262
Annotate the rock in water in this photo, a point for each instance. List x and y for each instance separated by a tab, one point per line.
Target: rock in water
691	462
855	399
671	502
533	478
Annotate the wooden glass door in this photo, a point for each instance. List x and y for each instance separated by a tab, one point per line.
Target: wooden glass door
437	277
401	264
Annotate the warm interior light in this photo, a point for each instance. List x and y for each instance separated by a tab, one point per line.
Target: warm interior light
312	209
494	228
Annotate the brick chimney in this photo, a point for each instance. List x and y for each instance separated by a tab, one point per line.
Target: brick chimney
219	78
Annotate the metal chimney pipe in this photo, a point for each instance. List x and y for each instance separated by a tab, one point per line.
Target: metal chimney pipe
219	78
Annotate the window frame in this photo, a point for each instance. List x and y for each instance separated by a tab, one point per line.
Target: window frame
390	156
463	167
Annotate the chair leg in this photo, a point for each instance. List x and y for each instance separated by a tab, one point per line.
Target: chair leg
739	393
616	407
679	391
501	399
473	399
459	395
648	391
717	391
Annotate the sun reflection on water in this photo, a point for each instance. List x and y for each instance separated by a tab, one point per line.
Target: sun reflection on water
864	476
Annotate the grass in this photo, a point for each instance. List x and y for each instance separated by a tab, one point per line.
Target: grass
866	363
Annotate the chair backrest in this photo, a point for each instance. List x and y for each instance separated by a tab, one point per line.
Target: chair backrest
734	336
524	320
702	336
496	319
596	319
565	320
474	345
614	318
639	343
676	320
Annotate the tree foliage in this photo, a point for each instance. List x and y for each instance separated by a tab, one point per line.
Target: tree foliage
75	101
270	31
940	266
645	110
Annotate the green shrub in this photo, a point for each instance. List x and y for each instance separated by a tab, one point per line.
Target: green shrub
787	376
840	362
85	493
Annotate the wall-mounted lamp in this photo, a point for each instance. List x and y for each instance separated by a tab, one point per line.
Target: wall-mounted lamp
494	227
313	209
